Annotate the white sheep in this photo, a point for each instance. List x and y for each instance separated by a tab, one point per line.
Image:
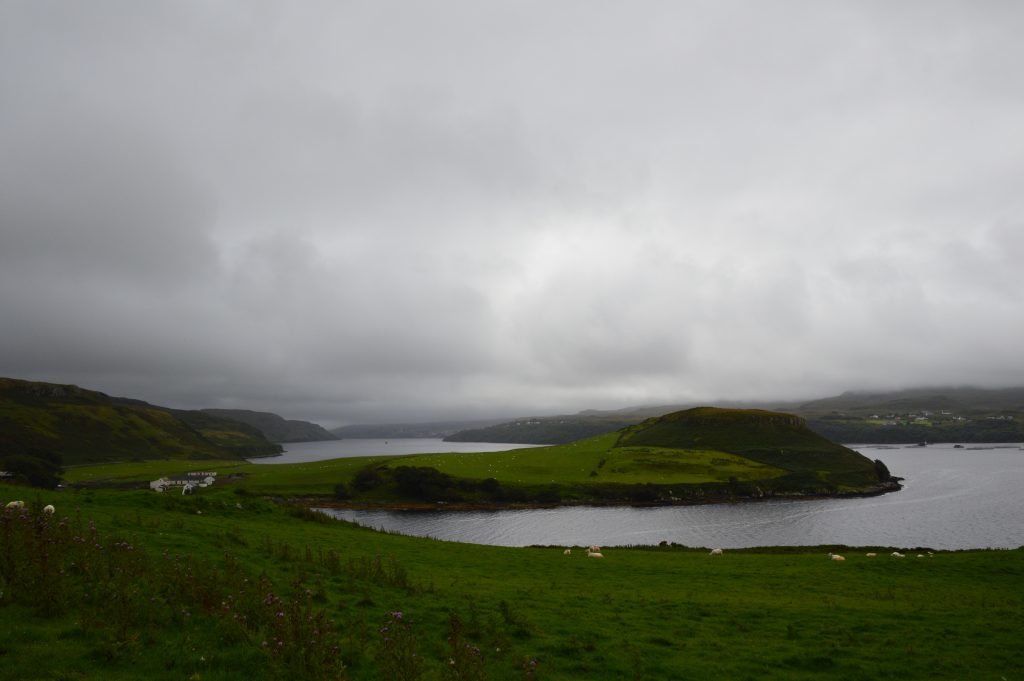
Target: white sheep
16	504
716	552
897	554
594	549
835	556
870	555
594	554
49	509
566	552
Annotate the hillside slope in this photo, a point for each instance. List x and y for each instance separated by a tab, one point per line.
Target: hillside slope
86	426
550	430
276	428
771	438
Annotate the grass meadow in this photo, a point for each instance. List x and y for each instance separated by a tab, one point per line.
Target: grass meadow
594	460
128	584
598	460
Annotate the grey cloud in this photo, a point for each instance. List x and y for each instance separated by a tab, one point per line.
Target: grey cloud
375	210
84	199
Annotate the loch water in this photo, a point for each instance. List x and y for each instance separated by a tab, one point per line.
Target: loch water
305	452
953	498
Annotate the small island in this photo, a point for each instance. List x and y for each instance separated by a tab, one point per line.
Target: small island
701	455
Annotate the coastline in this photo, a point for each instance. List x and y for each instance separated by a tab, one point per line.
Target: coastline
442	506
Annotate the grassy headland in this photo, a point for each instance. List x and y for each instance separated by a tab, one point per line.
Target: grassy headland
695	456
224	586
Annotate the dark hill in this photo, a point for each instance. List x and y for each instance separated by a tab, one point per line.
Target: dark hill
86	426
772	438
276	428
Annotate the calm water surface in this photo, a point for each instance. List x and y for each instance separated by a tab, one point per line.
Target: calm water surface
304	452
952	499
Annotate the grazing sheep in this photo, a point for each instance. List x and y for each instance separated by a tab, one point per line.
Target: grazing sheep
897	554
715	552
594	549
594	554
920	555
16	504
870	555
835	556
566	552
49	509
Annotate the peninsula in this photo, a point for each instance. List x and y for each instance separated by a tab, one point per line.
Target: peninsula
700	455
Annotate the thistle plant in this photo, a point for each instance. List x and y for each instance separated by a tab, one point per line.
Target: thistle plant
397	657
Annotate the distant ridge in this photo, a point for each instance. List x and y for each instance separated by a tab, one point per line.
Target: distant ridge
427	429
971	415
276	428
551	430
964	398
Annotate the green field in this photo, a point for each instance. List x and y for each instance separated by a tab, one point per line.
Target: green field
572	463
296	479
135	608
594	470
692	456
597	460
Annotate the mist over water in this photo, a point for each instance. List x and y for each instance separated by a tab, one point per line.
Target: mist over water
952	499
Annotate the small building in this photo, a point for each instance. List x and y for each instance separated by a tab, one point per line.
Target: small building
187	482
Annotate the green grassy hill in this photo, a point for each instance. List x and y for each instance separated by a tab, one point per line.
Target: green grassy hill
84	426
699	454
769	438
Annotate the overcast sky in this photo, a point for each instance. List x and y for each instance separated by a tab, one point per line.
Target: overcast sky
382	211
